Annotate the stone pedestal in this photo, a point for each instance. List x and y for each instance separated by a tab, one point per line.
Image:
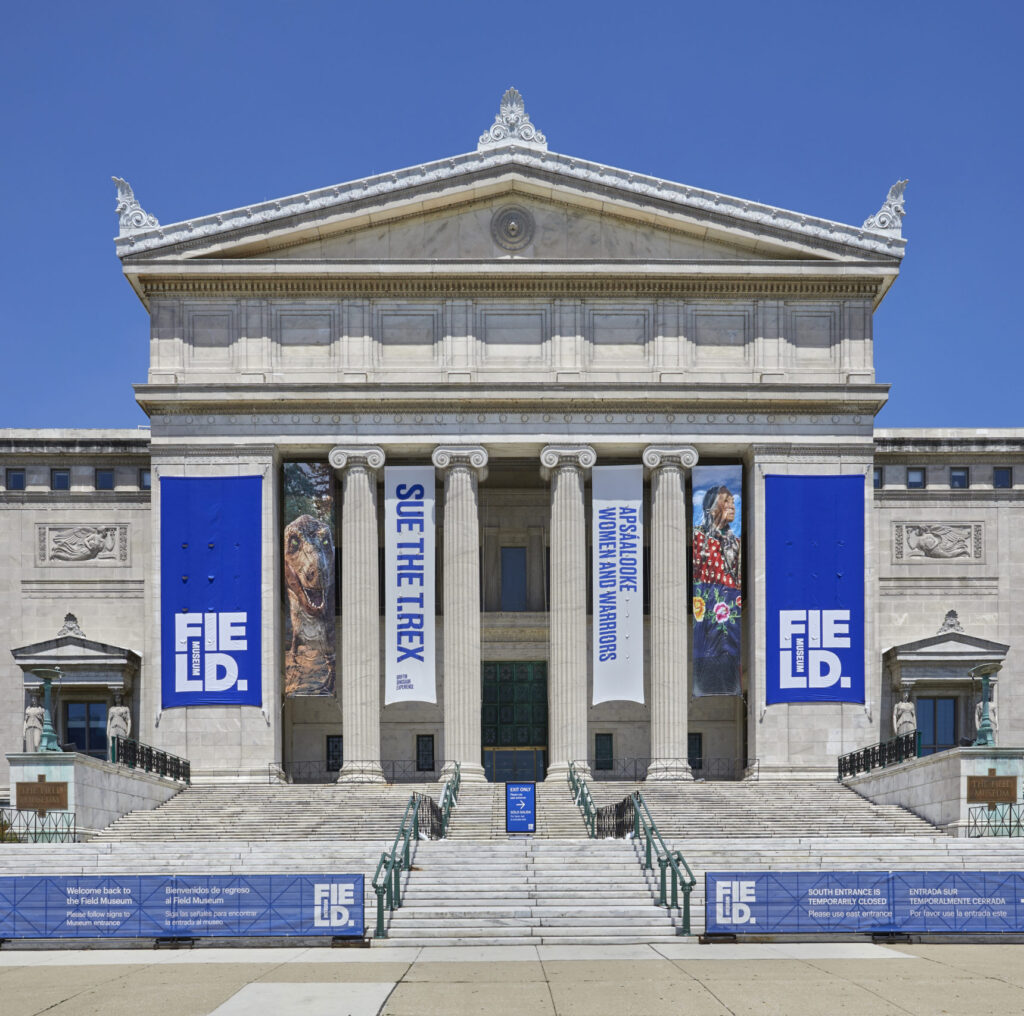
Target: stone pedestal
565	467
360	619
669	619
463	467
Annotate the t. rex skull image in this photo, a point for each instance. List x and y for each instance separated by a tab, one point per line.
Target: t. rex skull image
309	580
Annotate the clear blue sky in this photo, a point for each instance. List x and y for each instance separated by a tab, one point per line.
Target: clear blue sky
815	106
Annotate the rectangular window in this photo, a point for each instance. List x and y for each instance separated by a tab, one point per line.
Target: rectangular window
915	478
959	478
1002	478
145	480
604	752
60	479
16	479
424	753
513	578
878	478
695	752
936	720
335	755
104	479
86	727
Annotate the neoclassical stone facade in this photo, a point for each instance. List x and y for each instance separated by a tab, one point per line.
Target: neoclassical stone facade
512	318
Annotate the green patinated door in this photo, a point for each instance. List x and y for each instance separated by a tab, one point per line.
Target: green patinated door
514	720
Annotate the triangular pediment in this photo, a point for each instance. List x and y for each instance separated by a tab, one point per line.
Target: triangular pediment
950	646
73	651
575	210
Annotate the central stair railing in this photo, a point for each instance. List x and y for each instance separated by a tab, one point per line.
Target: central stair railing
450	797
581	796
387	879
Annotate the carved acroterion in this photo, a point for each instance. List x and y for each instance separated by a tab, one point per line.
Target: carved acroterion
889	218
132	216
512	126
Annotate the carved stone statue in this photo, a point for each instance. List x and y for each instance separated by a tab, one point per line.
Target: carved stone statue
993	716
131	215
119	719
889	218
904	716
33	728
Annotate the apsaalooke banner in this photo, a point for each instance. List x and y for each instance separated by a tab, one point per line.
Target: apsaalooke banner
308	547
210	587
814	588
717	583
618	561
409	584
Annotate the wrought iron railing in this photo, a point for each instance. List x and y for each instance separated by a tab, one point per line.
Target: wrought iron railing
1003	820
616	821
387	879
635	770
136	755
671	862
450	797
30	827
878	756
322	771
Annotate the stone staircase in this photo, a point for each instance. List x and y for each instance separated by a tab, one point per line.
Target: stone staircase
530	891
480	813
232	811
769	808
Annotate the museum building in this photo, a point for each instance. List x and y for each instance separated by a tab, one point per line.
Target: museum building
510	459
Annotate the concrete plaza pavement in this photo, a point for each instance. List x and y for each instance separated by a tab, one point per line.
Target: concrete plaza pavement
796	979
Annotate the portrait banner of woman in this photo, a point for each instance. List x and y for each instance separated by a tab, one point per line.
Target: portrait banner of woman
717	579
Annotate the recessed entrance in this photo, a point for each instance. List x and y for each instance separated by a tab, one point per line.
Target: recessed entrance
514	720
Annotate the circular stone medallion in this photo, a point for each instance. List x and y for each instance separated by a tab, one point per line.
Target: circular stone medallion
512	227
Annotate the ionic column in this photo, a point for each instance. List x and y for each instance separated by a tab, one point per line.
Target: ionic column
463	467
565	467
360	617
670	665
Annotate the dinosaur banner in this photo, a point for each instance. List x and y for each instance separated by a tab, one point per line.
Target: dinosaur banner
717	579
409	584
308	573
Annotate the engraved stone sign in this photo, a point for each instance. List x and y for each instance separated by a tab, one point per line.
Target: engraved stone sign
41	796
991	789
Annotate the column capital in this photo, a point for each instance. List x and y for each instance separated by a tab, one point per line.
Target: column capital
682	456
344	457
554	457
473	457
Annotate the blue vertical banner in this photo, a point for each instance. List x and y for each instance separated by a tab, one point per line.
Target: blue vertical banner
814	588
210	590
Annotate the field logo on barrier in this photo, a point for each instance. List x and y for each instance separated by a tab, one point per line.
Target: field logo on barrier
331	901
732	902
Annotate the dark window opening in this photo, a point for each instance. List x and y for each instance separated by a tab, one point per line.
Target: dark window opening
335	753
1002	477
695	751
915	478
603	751
60	479
878	478
959	478
145	480
86	727
513	578
104	479
15	479
424	753
936	720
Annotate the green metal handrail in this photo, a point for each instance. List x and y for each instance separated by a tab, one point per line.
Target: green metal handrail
387	879
581	795
668	860
450	797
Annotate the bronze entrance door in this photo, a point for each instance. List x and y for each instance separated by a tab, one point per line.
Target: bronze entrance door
514	720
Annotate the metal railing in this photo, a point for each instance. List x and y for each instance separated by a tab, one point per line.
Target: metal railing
136	755
581	795
1003	820
616	821
450	797
635	770
878	756
387	879
669	862
30	827
321	771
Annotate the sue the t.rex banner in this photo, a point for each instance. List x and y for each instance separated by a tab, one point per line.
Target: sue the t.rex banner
717	579
308	545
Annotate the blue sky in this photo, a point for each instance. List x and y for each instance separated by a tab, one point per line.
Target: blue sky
816	107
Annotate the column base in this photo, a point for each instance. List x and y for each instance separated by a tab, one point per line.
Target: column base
558	772
676	769
470	773
361	772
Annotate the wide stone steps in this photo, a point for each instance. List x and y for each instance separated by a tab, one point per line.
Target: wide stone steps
480	813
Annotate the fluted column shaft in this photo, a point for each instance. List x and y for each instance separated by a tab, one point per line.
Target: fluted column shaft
669	637
463	467
360	616
567	667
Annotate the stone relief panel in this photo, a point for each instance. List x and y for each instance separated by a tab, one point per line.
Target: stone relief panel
210	334
82	545
407	335
938	541
721	335
305	337
619	337
813	335
514	335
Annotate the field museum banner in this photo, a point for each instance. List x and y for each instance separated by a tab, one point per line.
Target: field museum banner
210	586
309	578
409	584
618	560
717	579
814	588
